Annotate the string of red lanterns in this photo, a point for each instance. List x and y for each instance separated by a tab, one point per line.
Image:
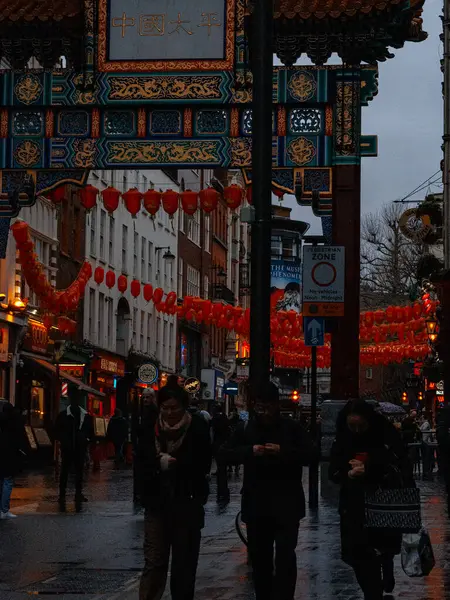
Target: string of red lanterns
55	302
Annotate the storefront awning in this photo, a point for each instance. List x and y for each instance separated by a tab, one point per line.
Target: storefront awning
63	375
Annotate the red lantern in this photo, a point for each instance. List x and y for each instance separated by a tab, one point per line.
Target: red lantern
57	195
133	199
110	279
20	232
170	202
152	202
110	198
88	196
249	194
148	292
99	275
379	316
171	299
209	199
189	202
233	196
278	193
122	284
157	295
135	288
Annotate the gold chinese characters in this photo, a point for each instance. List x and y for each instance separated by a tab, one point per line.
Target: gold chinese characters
157	25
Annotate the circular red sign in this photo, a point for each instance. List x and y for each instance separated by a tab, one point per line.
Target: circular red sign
323	274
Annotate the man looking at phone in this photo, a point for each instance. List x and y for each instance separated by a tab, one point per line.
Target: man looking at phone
273	451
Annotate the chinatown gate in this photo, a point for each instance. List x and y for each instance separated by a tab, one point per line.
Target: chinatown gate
153	84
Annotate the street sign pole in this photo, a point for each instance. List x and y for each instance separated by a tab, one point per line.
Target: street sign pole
314	467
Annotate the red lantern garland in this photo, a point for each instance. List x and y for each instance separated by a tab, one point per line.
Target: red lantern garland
57	195
110	279
233	196
152	202
122	284
189	202
133	199
158	295
170	202
111	198
99	275
148	292
209	199
249	194
88	196
135	288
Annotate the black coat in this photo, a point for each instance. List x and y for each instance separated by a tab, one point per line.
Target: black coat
11	442
73	436
272	485
387	465
184	482
117	430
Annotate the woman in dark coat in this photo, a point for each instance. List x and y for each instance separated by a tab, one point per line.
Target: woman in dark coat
368	451
10	455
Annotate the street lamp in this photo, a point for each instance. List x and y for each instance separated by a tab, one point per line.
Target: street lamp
432	330
168	255
220	271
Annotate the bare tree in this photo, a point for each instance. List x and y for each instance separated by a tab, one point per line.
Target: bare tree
388	259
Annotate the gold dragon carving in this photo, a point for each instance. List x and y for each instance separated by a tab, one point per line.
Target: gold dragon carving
241	152
301	151
28	89
27	153
165	88
164	152
302	86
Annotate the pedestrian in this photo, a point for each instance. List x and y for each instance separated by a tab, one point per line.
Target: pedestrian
273	451
117	433
368	451
149	407
175	459
220	435
10	455
427	448
74	430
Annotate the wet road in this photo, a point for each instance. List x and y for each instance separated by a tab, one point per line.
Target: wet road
96	554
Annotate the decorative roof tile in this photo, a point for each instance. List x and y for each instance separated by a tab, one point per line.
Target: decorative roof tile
40	10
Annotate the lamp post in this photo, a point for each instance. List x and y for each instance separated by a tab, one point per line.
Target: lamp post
432	330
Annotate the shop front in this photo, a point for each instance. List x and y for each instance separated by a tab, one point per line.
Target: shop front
190	351
12	327
107	370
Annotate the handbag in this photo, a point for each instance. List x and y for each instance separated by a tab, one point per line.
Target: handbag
417	554
393	509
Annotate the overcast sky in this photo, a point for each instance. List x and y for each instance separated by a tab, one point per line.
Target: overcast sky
407	117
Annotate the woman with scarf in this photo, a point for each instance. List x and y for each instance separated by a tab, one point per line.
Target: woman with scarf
174	462
368	451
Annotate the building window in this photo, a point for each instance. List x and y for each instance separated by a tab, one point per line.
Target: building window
101	319
135	318
180	277
93	231
78	251
207	242
369	374
149	329
192	281
110	322
112	224
143	261
135	254
171	345
164	352
150	262
206	287
141	340
158	333
124	248
193	232
102	233
92	315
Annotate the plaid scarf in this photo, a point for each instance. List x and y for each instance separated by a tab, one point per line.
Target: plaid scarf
168	439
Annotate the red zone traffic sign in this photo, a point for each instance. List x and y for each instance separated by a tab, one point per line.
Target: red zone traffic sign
323	281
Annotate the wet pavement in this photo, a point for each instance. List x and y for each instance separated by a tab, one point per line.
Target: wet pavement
96	554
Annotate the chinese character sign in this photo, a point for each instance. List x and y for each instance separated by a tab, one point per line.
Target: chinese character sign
285	284
166	30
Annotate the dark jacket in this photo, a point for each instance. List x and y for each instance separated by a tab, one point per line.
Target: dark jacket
11	441
221	431
272	485
185	481
117	430
74	435
387	465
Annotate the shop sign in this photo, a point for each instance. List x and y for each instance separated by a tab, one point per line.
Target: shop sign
192	385
4	344
75	371
285	283
440	388
148	373
36	339
109	365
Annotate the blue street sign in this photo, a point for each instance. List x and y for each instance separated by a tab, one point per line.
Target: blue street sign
314	331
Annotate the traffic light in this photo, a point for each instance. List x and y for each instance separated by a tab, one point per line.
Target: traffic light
420	396
295	396
405	398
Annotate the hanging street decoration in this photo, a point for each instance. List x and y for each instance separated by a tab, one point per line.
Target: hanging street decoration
88	196
111	197
133	199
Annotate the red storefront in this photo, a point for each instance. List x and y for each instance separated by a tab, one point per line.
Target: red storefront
106	369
